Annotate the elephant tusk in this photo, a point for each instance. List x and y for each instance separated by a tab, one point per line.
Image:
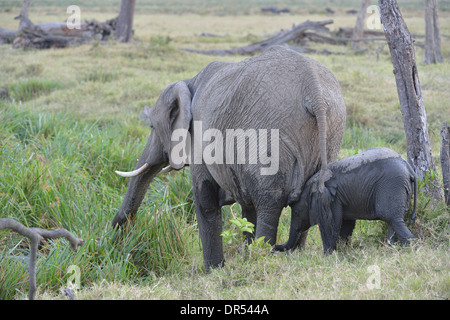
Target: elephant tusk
166	169
133	173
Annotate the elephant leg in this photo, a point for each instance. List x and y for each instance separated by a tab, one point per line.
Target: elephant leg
267	224
391	236
401	230
347	230
209	219
391	208
302	239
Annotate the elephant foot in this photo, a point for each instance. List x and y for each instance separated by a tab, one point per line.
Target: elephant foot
210	265
280	247
120	219
285	248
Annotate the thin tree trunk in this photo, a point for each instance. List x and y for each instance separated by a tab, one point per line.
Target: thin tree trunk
412	107
445	161
358	32
433	52
125	21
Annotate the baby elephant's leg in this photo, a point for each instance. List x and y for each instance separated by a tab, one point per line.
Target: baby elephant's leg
347	230
401	230
391	236
392	204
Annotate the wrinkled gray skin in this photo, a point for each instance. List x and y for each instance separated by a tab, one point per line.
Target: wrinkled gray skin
376	184
280	89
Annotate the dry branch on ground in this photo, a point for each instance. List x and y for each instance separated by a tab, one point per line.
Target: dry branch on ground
36	235
280	38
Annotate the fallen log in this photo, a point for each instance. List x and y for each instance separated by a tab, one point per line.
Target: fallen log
58	35
280	38
348	33
317	37
55	34
7	36
88	29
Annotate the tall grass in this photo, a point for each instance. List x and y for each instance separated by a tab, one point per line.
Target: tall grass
57	171
31	88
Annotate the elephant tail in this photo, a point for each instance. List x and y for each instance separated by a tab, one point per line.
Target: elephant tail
321	116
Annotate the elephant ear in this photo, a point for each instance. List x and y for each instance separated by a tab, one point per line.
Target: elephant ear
180	117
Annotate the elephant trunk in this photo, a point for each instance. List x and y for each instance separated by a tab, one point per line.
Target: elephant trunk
149	165
297	237
136	190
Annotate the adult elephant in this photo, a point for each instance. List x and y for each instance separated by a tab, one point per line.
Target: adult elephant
294	97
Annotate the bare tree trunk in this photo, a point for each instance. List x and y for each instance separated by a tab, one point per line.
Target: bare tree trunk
433	53
359	26
412	107
445	161
125	21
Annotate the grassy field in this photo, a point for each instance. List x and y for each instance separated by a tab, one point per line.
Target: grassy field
69	118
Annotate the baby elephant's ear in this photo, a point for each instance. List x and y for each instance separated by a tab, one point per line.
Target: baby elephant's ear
180	119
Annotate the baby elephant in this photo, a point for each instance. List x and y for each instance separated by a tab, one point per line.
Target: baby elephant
376	184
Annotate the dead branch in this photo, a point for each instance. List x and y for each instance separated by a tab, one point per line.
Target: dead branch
23	16
314	31
317	37
36	235
279	39
348	33
7	36
58	35
54	34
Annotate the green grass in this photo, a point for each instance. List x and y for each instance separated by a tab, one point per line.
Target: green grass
70	118
31	88
59	172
